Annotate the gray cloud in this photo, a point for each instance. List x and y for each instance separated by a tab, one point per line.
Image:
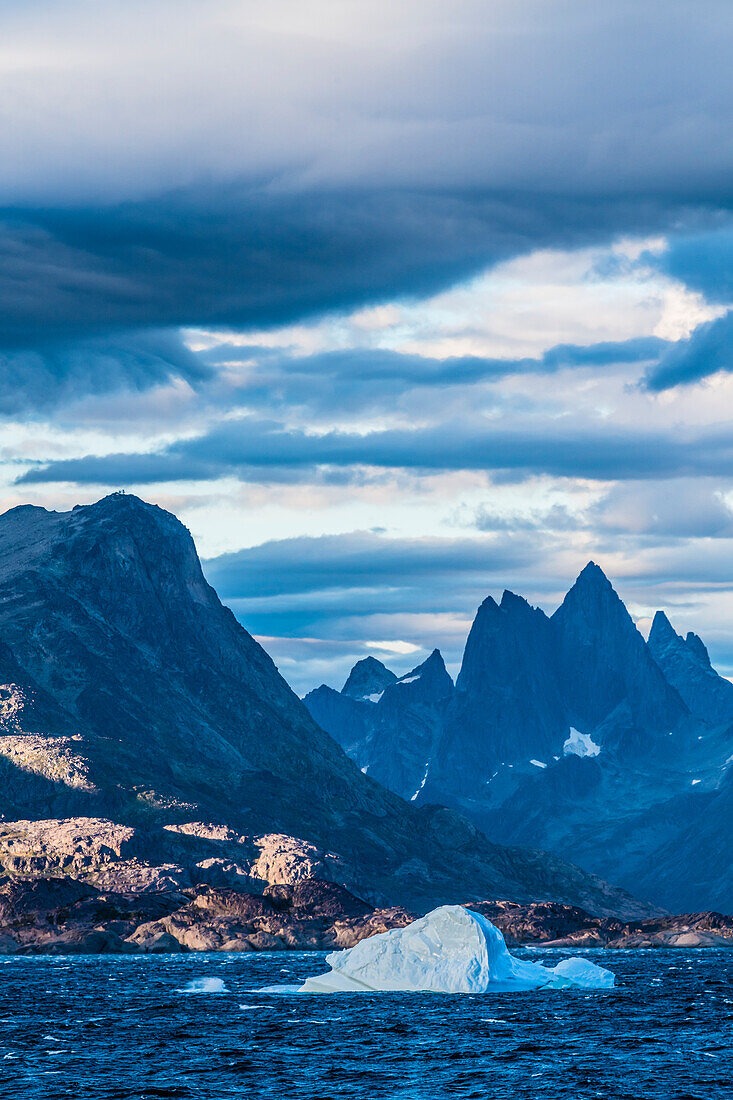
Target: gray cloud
703	261
265	452
360	560
709	349
286	172
370	379
636	513
563	98
42	378
248	258
652	511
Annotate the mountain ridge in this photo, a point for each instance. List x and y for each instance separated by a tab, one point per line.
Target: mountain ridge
162	710
573	733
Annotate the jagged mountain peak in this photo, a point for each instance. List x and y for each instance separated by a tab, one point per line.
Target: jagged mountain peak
685	663
697	646
605	661
368	677
487	606
511	601
662	631
592	589
428	681
663	635
432	663
592	574
594	600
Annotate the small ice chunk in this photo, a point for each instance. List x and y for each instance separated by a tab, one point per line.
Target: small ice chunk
584	974
205	985
373	698
695	782
538	763
451	950
580	744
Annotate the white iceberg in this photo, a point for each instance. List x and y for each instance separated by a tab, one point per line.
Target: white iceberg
451	950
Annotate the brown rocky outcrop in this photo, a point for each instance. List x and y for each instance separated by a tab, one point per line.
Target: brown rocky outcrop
68	916
64	916
556	925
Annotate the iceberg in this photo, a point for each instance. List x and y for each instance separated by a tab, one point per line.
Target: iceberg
451	950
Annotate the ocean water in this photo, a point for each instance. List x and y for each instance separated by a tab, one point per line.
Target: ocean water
197	1026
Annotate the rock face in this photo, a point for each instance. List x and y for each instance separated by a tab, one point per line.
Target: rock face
367	678
508	708
572	733
392	732
133	699
63	916
685	664
567	926
605	664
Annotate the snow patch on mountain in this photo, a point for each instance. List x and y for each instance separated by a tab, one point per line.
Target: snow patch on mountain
422	784
580	744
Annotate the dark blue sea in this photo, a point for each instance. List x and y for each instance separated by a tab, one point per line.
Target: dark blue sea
122	1028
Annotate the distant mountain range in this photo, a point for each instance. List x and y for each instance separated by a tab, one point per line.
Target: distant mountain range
136	708
569	732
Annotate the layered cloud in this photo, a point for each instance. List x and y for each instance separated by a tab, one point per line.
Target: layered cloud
708	350
239	164
265	452
398	303
38	379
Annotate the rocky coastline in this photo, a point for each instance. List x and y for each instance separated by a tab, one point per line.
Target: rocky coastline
60	916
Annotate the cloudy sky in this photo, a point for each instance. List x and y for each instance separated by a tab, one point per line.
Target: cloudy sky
394	304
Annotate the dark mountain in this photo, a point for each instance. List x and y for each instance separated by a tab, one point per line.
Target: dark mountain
367	677
347	720
134	705
391	732
604	663
407	722
685	664
507	708
573	734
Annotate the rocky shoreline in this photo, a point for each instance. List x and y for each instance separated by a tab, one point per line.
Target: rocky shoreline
554	925
64	916
58	916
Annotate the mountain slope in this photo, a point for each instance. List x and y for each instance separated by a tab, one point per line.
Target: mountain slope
145	701
685	664
368	677
507	709
573	734
391	732
604	662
